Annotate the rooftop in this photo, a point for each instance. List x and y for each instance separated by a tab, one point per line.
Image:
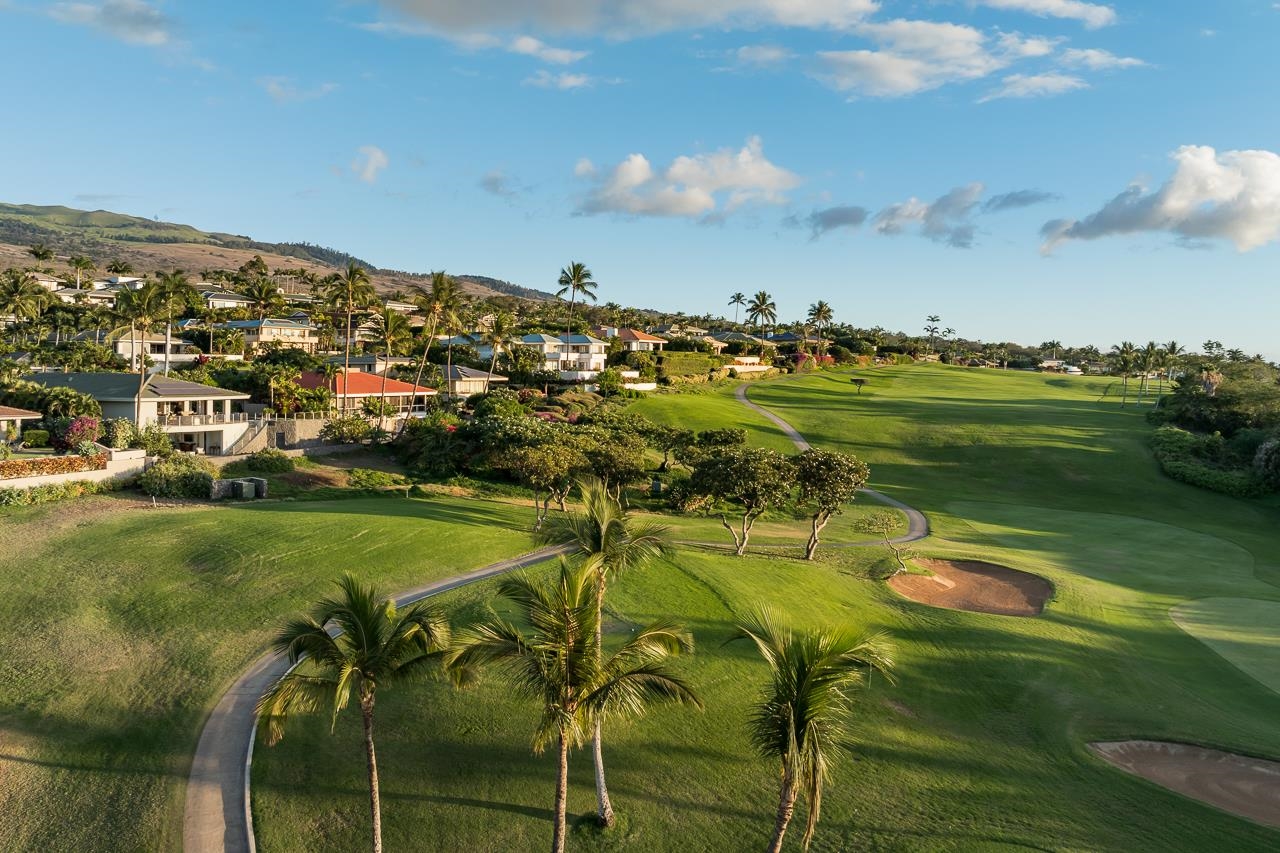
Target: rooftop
123	387
356	384
9	413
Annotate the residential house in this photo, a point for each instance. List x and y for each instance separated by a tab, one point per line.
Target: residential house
199	418
576	358
377	364
743	364
133	347
47	281
465	381
12	418
678	330
483	351
88	296
219	297
260	334
351	389
740	337
633	340
792	338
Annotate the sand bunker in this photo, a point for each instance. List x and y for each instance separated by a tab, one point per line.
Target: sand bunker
976	586
1248	787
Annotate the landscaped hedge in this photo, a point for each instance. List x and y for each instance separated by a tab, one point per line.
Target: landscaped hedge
1190	458
179	476
45	465
35	437
269	461
672	364
54	492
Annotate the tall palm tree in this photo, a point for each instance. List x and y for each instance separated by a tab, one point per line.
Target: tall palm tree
556	665
142	308
435	301
348	292
453	323
607	541
497	336
379	645
820	314
737	300
179	297
1173	355
119	267
1053	346
40	252
81	266
761	310
575	280
931	326
804	714
1124	358
1148	360
265	295
391	331
21	297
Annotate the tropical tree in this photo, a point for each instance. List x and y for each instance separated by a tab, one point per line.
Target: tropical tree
751	478
1052	347
556	665
803	717
390	332
40	252
737	300
827	481
932	327
821	315
265	295
1124	358
142	308
575	280
1173	352
119	267
82	266
347	292
497	336
441	298
378	645
608	541
1148	361
21	296
178	297
761	310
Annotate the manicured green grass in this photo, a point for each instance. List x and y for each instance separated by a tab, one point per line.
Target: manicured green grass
120	625
1245	631
981	745
714	409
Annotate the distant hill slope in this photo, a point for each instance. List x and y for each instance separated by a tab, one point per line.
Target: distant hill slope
151	245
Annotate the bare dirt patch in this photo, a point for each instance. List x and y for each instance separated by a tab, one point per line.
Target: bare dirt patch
975	586
1244	786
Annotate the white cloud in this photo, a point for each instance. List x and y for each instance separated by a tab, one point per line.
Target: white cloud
1092	15
1022	47
284	90
1098	60
946	220
564	80
1035	86
917	56
707	186
132	21
369	161
1232	196
761	55
819	222
530	46
628	17
499	183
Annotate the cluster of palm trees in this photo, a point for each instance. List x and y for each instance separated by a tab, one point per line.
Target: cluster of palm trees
554	656
1144	362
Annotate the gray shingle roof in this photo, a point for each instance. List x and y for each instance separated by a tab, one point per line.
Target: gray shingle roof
117	387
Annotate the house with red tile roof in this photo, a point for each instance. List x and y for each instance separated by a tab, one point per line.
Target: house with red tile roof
633	340
351	389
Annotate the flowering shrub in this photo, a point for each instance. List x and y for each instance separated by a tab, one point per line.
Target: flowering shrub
46	465
82	429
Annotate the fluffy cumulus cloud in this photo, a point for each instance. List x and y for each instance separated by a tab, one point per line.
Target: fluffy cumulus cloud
703	186
946	220
369	162
1232	195
626	17
530	46
131	21
1035	86
1092	15
819	222
284	90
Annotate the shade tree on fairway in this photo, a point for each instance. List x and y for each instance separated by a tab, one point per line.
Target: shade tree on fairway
803	718
826	481
607	543
547	470
752	479
378	646
555	663
883	525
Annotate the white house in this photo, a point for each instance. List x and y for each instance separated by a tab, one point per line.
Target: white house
219	297
577	358
152	345
47	281
633	340
258	334
199	418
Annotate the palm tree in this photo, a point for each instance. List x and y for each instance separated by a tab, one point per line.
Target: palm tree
931	326
21	296
453	323
497	336
575	280
391	330
803	717
608	542
119	267
1172	356
737	300
142	308
556	665
178	296
1124	358
265	295
1052	346
378	645
81	266
40	252
348	292
820	314
762	310
1148	360
440	298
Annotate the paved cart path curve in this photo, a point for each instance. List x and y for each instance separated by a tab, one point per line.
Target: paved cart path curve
217	818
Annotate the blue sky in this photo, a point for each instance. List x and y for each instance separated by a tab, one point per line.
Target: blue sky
1028	169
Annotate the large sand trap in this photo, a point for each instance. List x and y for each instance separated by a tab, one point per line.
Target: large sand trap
976	586
1248	787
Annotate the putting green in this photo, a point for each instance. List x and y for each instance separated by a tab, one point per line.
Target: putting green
1245	631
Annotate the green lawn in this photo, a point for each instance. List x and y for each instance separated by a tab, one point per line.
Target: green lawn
1245	631
981	746
120	625
714	409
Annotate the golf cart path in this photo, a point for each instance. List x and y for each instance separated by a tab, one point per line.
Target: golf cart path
217	816
917	524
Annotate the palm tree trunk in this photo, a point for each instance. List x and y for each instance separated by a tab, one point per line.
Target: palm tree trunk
375	808
786	808
493	364
382	397
346	367
568	323
422	365
562	794
604	808
168	342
